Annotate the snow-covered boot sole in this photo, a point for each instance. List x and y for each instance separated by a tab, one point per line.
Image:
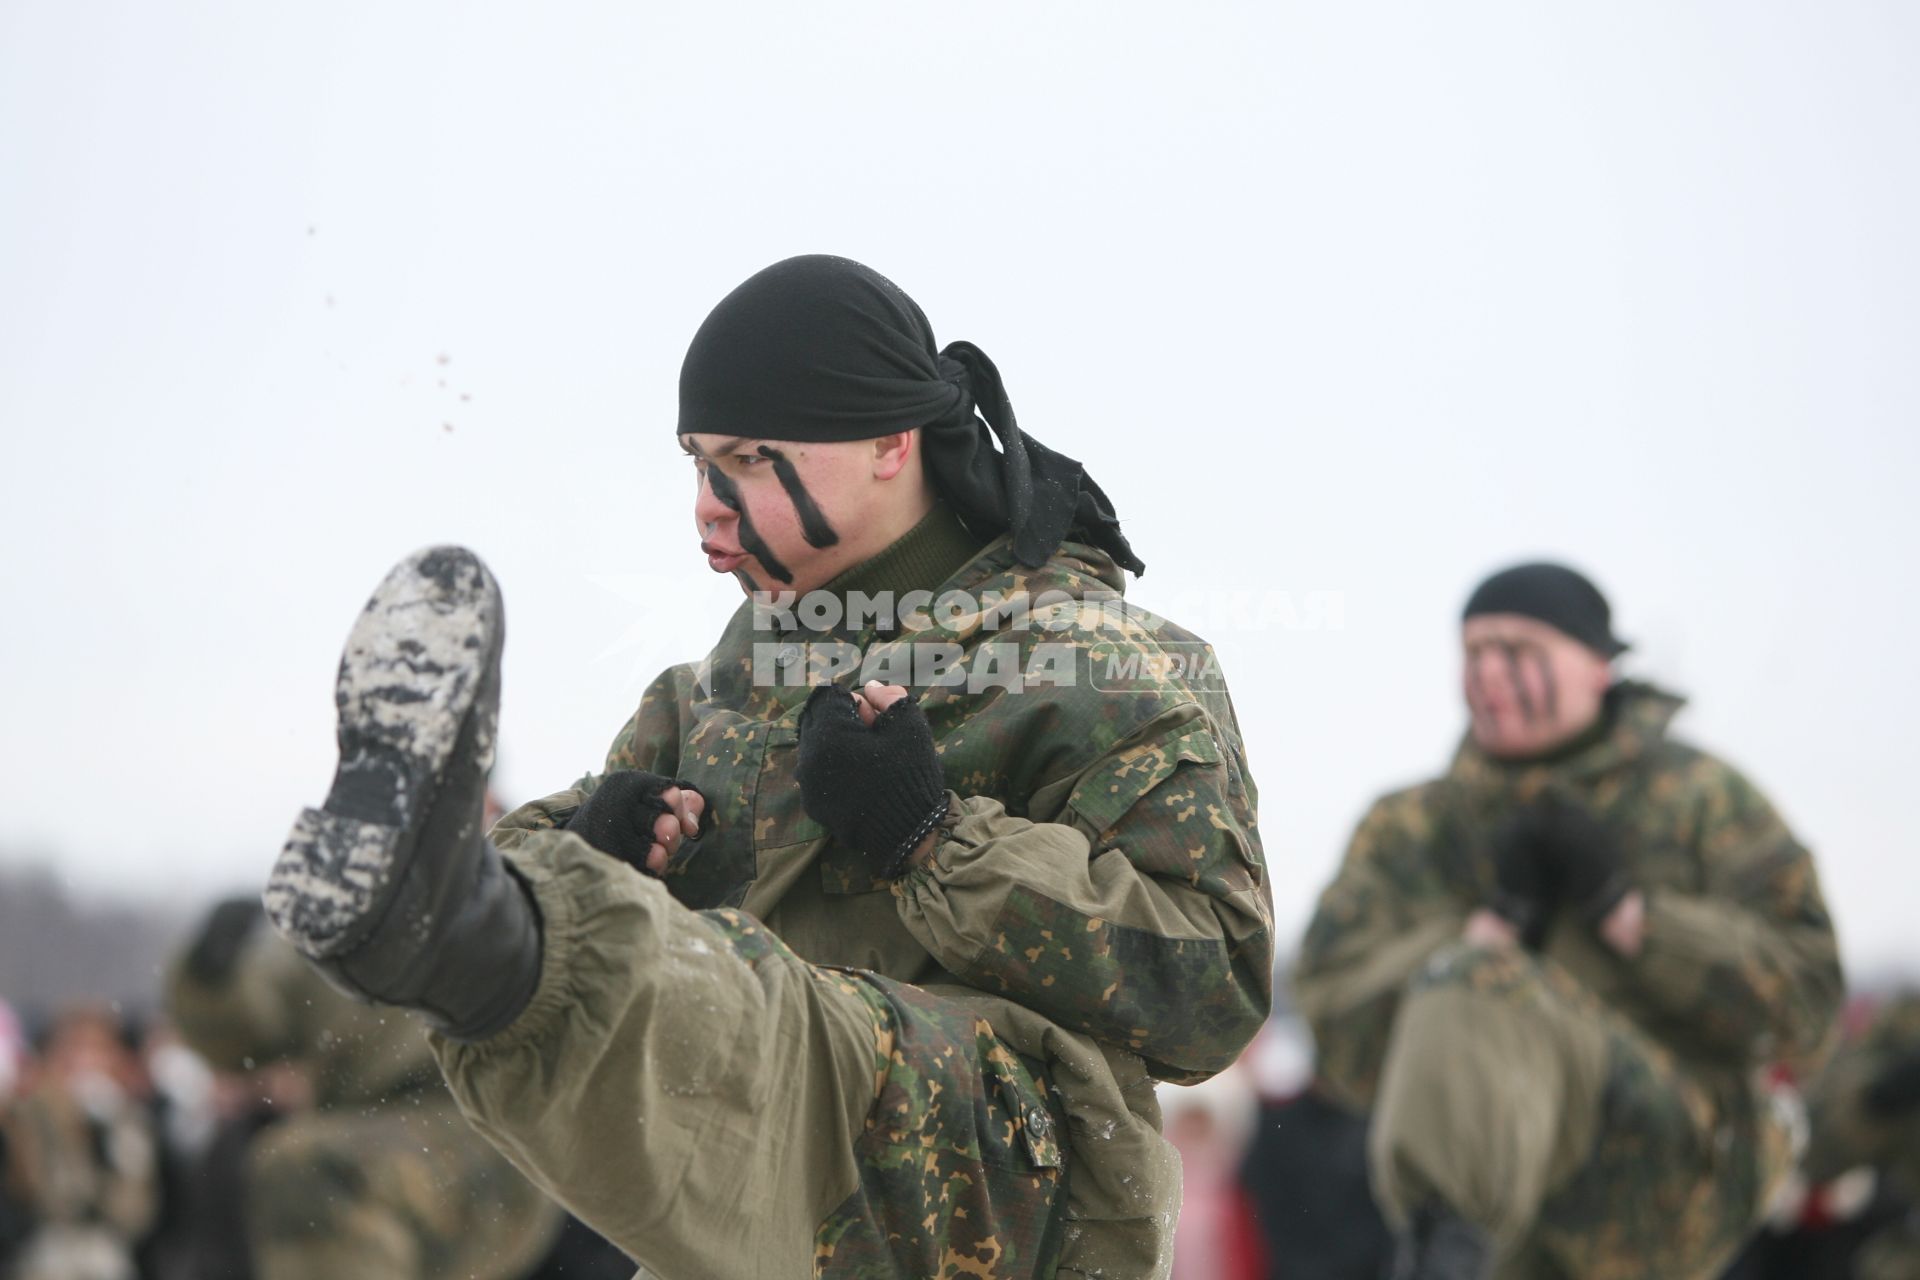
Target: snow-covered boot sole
418	703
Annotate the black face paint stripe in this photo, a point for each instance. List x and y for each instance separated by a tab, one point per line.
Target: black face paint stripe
1547	684
745	579
1528	711
750	541
813	524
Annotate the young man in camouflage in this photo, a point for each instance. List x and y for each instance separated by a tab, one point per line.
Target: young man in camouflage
381	1179
810	980
1557	974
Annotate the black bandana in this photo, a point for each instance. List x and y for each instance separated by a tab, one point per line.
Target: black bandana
823	349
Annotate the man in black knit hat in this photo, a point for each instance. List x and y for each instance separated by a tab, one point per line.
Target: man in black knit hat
1558	975
861	954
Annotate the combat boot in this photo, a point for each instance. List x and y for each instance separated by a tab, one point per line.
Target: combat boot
1439	1244
391	888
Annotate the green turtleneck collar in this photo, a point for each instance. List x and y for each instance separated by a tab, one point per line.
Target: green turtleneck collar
1633	718
919	560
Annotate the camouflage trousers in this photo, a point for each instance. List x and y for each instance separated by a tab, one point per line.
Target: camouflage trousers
717	1107
1582	1146
404	1190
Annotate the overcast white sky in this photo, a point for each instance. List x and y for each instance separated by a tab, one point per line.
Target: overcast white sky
1357	298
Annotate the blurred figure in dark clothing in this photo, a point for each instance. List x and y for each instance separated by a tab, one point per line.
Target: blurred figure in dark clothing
1824	1239
1210	1124
1307	1174
1853	1210
16	1220
180	1105
1305	1168
213	1194
580	1254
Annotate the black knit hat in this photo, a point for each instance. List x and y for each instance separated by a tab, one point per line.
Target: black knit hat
1554	594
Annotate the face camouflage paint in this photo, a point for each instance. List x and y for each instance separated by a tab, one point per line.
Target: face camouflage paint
813	524
750	540
1476	687
1517	678
1519	657
1550	689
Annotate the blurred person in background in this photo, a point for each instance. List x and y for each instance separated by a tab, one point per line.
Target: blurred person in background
214	1196
16	1219
182	1101
1305	1168
1557	975
380	1178
1865	1115
1209	1124
14	1054
82	1154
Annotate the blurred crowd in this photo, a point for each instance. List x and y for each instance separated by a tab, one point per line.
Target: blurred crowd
121	1149
125	1156
1276	1169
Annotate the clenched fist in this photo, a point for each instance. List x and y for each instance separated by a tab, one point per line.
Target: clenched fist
640	818
869	773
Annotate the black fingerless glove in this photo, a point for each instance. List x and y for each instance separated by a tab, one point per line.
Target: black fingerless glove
1896	1090
618	817
1586	860
879	790
214	953
1522	889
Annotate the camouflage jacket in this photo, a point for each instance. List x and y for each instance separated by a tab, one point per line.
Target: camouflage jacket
1152	934
275	1007
1101	872
1739	967
1846	1132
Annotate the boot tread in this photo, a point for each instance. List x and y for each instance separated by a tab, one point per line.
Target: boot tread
408	678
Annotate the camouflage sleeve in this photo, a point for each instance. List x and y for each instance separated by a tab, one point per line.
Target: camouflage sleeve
1748	964
544	814
1142	917
1386	911
649	740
